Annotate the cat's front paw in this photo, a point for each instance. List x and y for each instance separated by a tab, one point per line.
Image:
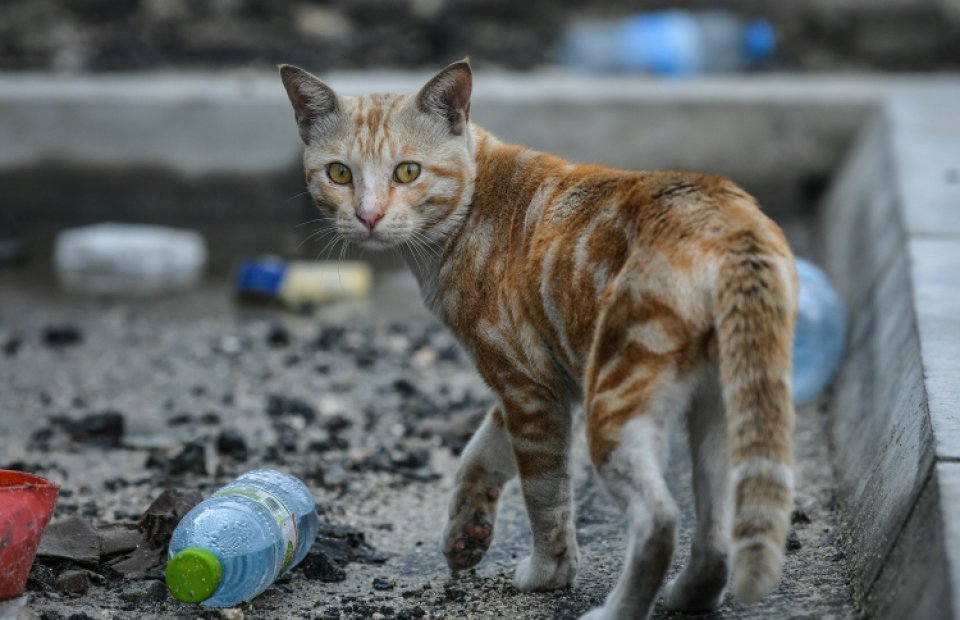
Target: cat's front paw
539	574
469	531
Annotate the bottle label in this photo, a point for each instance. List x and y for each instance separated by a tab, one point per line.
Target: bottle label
285	519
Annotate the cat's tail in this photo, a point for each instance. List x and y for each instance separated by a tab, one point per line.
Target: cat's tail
755	305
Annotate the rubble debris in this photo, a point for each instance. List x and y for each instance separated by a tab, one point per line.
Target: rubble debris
318	566
62	335
161	517
382	583
71	539
103	429
117	538
73	582
152	591
230	442
281	406
191	460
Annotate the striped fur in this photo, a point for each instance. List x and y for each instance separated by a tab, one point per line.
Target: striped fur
643	296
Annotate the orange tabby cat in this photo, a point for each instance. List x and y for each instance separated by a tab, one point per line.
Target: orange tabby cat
644	296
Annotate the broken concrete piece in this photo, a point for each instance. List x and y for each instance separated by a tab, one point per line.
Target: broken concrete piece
119	538
139	564
161	517
73	582
71	539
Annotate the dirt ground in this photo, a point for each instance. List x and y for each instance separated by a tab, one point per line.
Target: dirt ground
366	402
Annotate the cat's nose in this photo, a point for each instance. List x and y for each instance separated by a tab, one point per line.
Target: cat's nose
369	218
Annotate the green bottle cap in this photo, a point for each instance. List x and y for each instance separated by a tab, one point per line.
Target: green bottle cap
193	575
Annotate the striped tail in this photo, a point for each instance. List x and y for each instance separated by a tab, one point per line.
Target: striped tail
756	310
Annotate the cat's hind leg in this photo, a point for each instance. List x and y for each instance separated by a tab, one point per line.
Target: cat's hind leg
700	585
486	465
640	377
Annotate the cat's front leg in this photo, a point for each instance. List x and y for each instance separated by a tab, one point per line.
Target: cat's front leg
486	465
540	434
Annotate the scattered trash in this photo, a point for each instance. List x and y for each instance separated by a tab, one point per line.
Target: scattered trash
821	333
301	283
262	523
128	259
26	505
669	43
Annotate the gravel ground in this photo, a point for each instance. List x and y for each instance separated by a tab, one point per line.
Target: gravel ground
368	402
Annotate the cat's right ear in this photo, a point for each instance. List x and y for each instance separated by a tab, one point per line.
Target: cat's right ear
313	101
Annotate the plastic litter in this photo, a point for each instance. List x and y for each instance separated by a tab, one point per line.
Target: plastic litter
300	283
26	505
233	545
821	333
128	259
669	43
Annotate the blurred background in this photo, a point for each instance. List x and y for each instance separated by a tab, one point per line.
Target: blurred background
133	35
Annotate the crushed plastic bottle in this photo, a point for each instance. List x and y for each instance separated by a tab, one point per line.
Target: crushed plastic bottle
230	547
128	259
298	283
821	333
669	43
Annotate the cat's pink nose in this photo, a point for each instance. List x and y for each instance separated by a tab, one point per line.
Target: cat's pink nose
369	219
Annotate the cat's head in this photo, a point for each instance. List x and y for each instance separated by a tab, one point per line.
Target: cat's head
387	170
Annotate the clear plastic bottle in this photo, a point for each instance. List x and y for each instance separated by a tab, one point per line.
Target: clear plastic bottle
230	547
821	333
298	283
669	43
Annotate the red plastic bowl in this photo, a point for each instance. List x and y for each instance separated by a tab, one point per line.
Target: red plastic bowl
26	505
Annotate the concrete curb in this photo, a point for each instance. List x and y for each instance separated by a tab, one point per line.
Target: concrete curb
206	150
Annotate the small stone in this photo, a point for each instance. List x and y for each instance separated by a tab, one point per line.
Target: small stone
230	442
793	542
104	429
145	592
278	336
62	335
799	517
73	582
192	459
231	613
12	345
382	583
318	566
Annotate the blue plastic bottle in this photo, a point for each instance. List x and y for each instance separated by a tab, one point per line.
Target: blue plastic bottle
821	333
669	43
237	542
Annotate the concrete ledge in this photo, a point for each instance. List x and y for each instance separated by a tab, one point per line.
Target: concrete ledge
891	228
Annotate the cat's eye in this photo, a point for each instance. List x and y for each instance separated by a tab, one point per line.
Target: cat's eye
406	172
339	173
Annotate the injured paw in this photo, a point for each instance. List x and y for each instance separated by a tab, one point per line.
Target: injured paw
469	532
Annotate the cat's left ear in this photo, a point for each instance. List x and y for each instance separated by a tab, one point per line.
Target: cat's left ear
313	101
448	95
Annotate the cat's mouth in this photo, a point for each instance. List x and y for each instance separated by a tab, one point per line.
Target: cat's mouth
375	241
